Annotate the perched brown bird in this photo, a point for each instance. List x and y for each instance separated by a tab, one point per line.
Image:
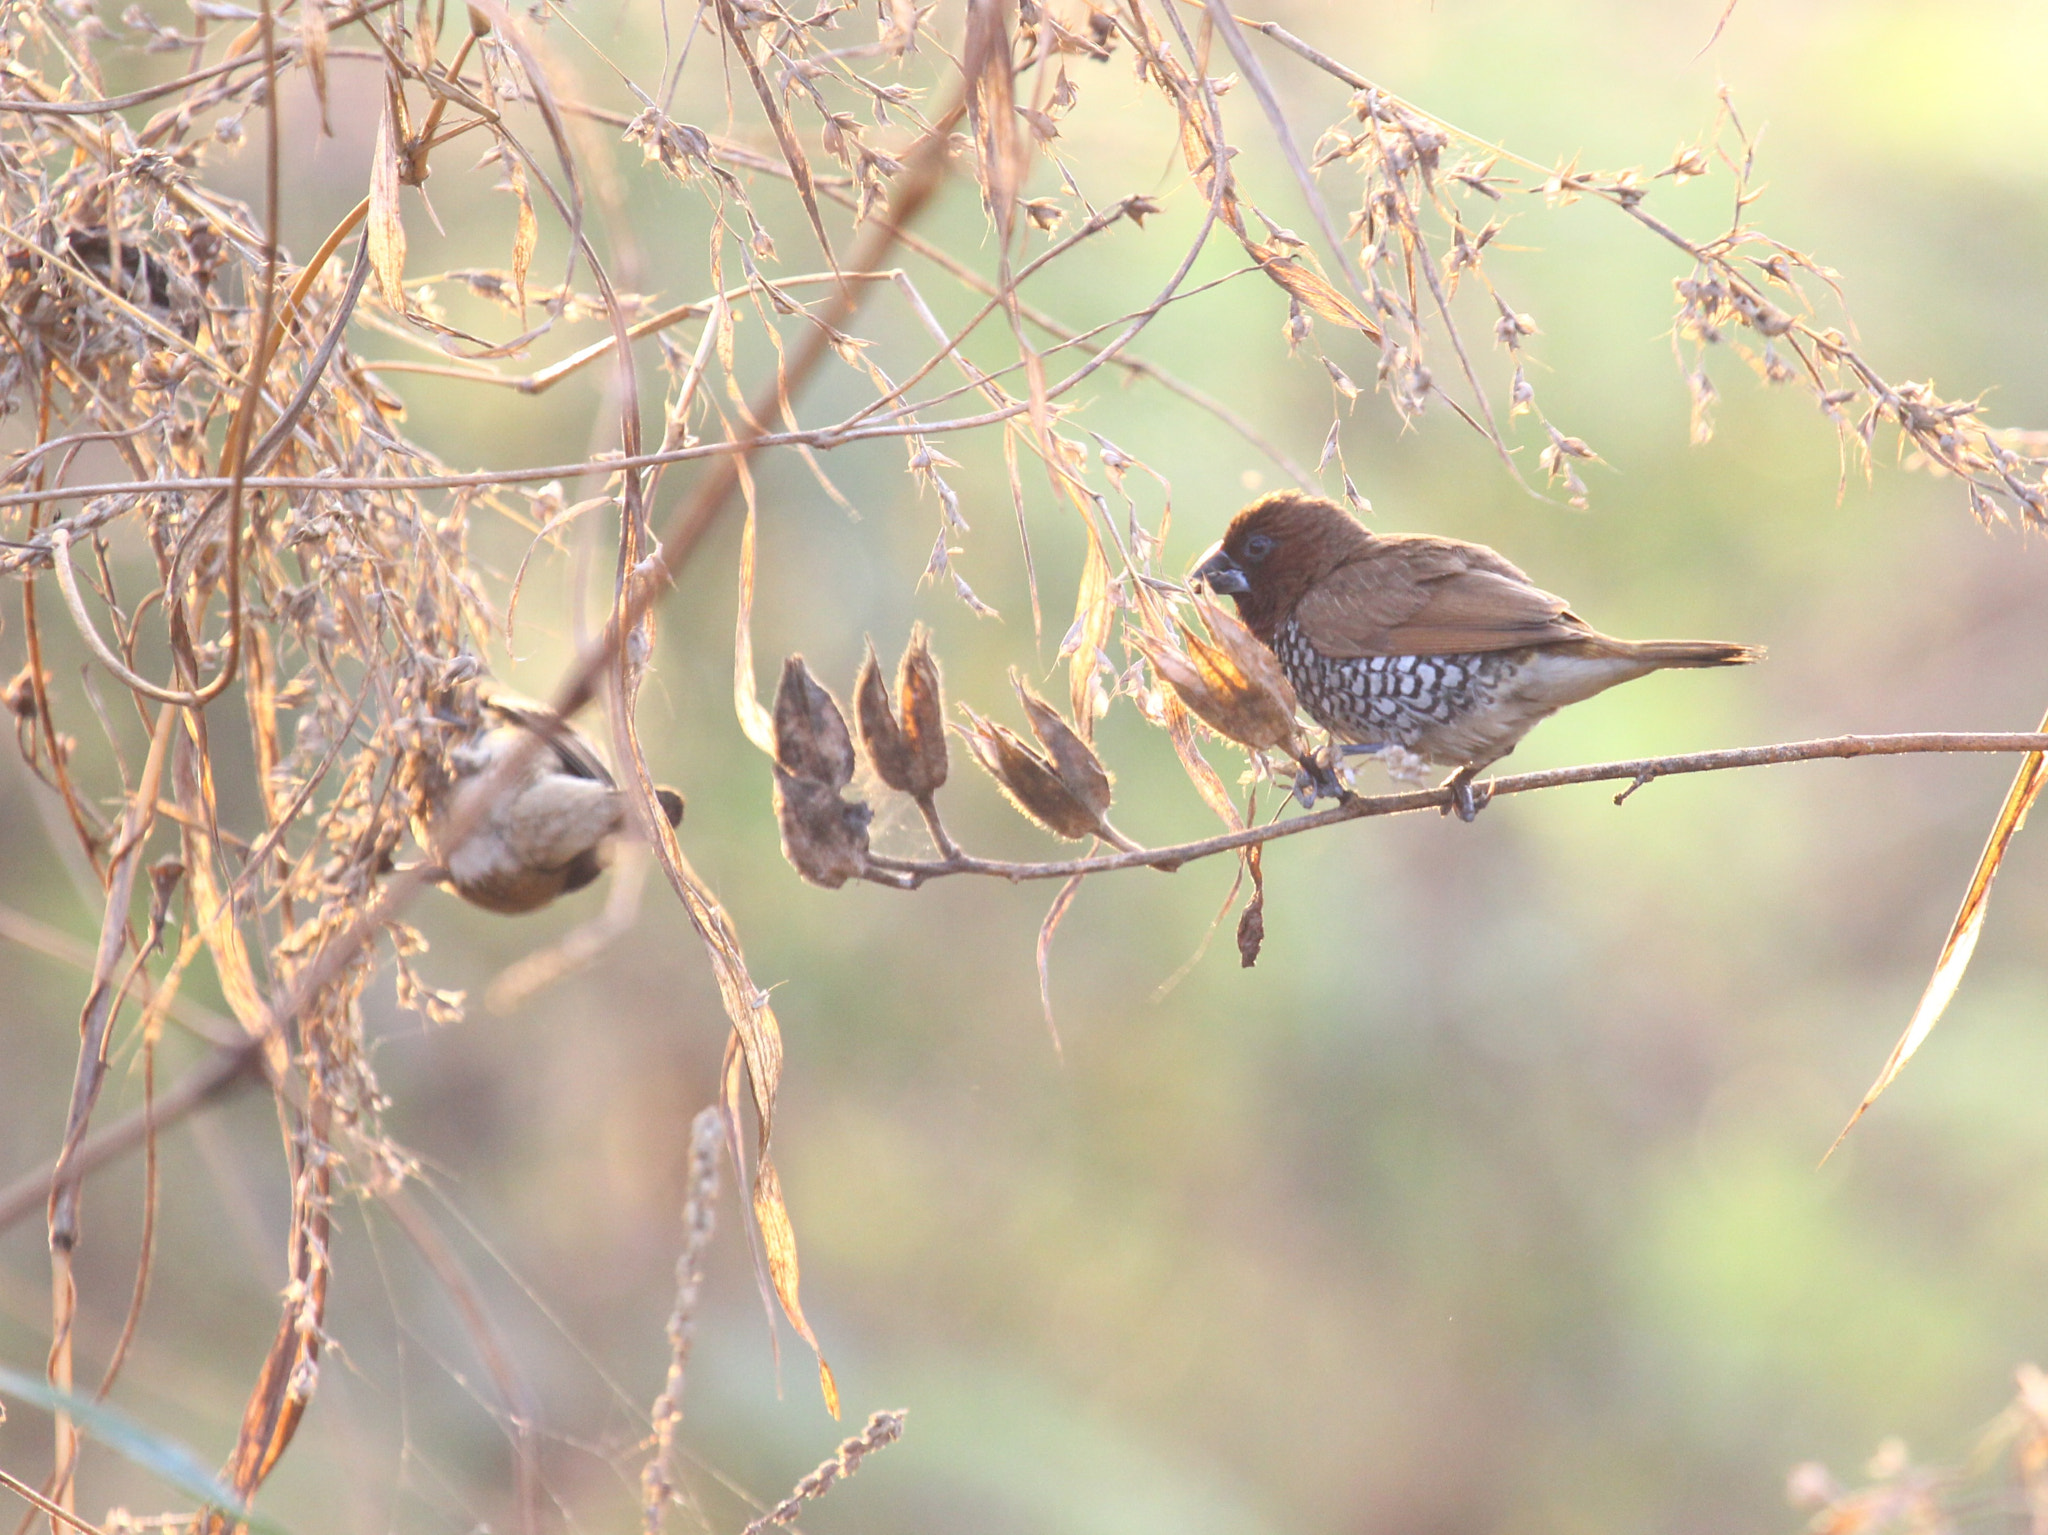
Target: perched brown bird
1431	644
547	833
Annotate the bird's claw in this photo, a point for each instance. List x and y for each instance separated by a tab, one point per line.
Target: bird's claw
1318	776
1319	779
1316	781
1466	801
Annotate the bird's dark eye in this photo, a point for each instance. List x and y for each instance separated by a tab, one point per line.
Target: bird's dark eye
1258	546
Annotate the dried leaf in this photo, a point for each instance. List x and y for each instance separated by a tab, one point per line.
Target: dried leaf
313	47
386	226
1207	782
985	62
1090	631
426	39
1719	27
526	237
778	1239
1299	276
1196	146
1058	909
754	720
1961	942
736	1073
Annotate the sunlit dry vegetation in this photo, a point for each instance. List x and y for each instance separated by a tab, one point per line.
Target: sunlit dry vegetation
214	499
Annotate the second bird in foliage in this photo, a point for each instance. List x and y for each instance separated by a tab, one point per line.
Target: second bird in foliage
546	833
1436	646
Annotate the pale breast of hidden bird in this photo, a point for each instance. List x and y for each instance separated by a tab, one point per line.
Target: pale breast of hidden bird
549	832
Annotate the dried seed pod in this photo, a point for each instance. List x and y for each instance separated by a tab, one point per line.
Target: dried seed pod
1072	758
879	732
1027	780
824	837
1251	930
909	751
1234	685
1066	789
811	739
922	703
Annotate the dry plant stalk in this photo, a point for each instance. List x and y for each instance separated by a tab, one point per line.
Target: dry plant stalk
700	1210
882	1428
207	468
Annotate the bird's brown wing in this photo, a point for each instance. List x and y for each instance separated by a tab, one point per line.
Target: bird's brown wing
1430	596
573	752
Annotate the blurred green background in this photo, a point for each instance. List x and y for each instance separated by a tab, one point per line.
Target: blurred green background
1488	1200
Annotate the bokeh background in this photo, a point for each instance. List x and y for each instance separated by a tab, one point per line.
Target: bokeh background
1488	1200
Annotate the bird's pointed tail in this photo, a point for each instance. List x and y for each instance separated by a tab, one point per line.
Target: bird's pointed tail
1690	652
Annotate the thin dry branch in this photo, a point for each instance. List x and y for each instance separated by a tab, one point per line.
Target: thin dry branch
515	1400
906	873
700	1209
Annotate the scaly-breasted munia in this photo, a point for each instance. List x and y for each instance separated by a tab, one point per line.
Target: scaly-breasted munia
1434	645
547	833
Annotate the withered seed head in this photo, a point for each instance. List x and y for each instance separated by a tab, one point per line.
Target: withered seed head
1072	758
909	752
1027	779
1066	789
824	837
1234	684
919	696
811	739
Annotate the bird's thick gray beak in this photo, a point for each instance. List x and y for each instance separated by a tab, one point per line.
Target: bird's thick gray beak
1220	573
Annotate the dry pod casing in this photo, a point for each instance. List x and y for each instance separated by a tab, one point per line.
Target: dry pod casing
1233	684
906	740
1072	758
811	738
824	837
1066	789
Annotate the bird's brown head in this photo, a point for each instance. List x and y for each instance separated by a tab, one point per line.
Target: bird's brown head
1275	551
